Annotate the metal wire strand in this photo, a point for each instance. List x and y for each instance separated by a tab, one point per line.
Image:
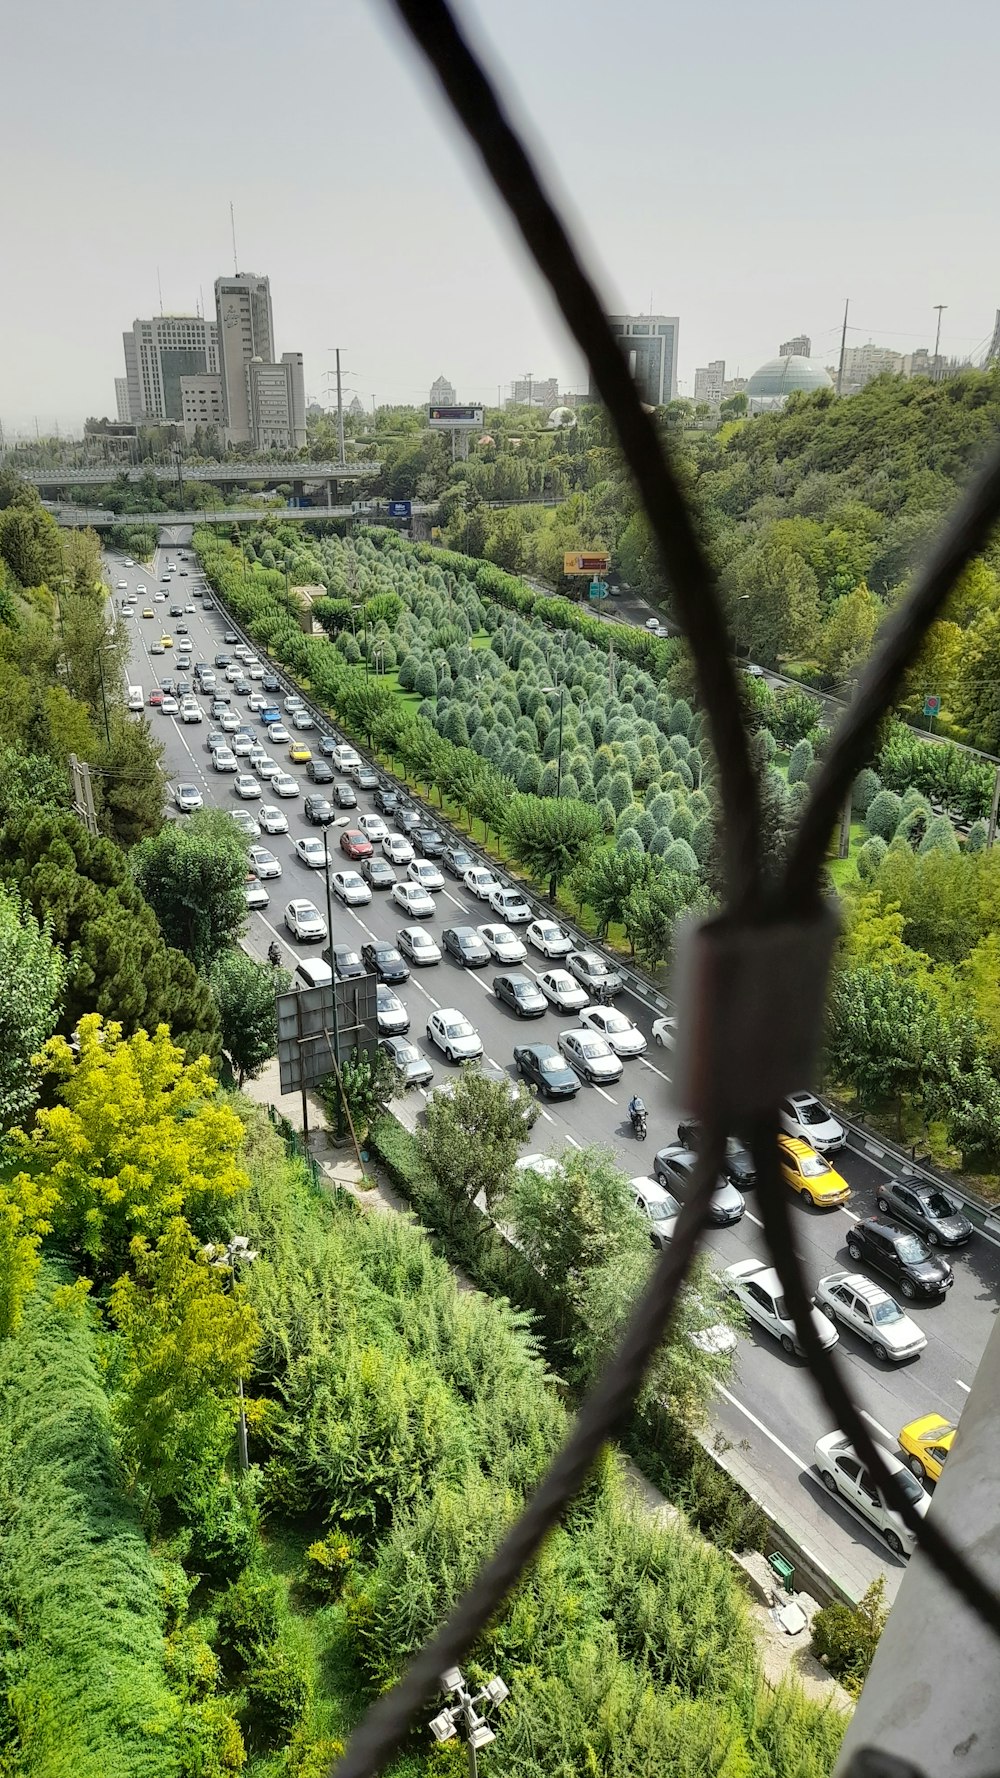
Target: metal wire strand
475	102
949	1561
609	1402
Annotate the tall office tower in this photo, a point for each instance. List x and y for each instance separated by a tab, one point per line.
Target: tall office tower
158	353
649	343
245	331
121	398
710	382
276	403
799	347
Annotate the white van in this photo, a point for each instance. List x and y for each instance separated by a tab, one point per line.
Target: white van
313	973
136	701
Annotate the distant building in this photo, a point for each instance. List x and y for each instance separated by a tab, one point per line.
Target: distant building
158	353
993	352
918	364
532	392
800	347
863	363
201	402
775	381
442	393
121	398
734	386
649	343
276	403
356	407
245	331
710	382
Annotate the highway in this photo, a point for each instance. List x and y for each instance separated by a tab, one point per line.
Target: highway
770	1413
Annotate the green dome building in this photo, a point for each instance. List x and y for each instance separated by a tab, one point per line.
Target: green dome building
775	381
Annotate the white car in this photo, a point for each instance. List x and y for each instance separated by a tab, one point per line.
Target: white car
224	760
187	798
417	946
757	1287
453	1034
305	921
871	1313
652	623
396	847
625	1038
189	610
283	784
158	597
562	991
246	823
264	765
242	746
658	1206
413	900
233	672
247	787
294	701
502	944
311	851
192	712
256	895
344	756
272	820
548	938
352	889
140	589
805	1116
243	651
425	873
591	1056
302	719
256	754
665	1033
277	730
122	586
373	827
129	562
480	882
169	706
255	670
229	722
257	702
393	1018
846	1476
264	863
510	905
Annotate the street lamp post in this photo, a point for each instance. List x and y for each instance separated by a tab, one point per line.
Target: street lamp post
561	689
237	1252
463	1717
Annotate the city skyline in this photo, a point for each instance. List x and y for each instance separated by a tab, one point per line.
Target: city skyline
411	268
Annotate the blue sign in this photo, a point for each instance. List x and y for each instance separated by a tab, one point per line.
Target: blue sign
598	589
400	509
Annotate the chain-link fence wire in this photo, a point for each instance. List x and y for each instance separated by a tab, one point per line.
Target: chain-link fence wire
753	905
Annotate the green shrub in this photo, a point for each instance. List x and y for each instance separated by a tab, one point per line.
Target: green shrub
249	1618
870	856
867	785
940	836
225	1527
845	1637
976	837
800	760
278	1694
883	814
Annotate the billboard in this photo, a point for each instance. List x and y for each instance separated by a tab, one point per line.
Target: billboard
451	417
399	509
306	1025
595	563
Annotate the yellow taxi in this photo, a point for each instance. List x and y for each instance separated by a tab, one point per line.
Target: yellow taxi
149	612
926	1443
167	641
299	753
810	1174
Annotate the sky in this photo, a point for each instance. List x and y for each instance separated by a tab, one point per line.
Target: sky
746	168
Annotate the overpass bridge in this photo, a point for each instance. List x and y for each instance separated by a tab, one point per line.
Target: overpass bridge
77	517
233	472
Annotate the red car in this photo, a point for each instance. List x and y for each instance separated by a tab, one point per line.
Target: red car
355	843
156	697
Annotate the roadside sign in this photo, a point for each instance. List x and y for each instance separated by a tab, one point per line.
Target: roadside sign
400	509
588	562
932	704
598	589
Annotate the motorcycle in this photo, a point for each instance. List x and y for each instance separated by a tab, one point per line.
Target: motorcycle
637	1113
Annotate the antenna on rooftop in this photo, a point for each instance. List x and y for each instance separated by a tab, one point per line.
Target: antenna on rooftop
159	287
232	224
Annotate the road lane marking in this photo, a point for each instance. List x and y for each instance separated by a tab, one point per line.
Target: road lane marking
884	1430
802	1467
752	1218
572	1139
653	1069
966	1386
603	1094
547	1115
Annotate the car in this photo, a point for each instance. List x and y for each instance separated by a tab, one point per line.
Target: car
652	623
386	800
675	1166
365	777
264	862
385	961
592	973
426	873
869	1311
229	722
299	753
305	922
352	889
256	704
156	698
378	873
256	894
408	821
177	611
167	641
397	849
231	636
345	756
810	1174
503	945
411	1064
169	706
509	905
457	861
413	900
294	701
246	822
301	719
149	612
543	1067
277	733
216	739
344	795
311	851
547	937
272	820
129	563
187	798
428	842
417	946
157	648
480	881
327	743
191	712
846	1476
283	784
244	652
264	765
207	604
454	1035
271	682
373	826
927	1209
269	715
739	1165
319	810
355	843
189	610
466	946
624	1038
158	596
805	1116
927	1441
658	1206
247	786
224	760
591	1056
521	995
759	1290
901	1256
222	660
392	1016
561	991
347	965
319	771
122	586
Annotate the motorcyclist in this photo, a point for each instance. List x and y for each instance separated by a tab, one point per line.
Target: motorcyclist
273	954
637	1111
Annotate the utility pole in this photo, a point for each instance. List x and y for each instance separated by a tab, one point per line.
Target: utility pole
340	409
937	342
843	346
83	794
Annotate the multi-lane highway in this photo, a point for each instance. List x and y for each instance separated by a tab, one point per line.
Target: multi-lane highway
770	1413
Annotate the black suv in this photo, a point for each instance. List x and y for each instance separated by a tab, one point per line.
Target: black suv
927	1209
901	1255
320	771
318	810
270	682
222	661
344	795
386	801
428	842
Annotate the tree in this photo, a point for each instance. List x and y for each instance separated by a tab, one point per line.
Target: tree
30	543
882	817
370	1084
847	633
194	878
652	910
26	1205
604	881
549	836
244	993
977	693
471	1138
800	760
881	1029
131	783
32	972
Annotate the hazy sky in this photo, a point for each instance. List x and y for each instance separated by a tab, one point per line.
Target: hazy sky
746	166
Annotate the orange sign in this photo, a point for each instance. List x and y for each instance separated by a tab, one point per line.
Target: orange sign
594	562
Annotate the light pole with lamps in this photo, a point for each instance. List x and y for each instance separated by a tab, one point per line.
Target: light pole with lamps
237	1252
561	689
463	1717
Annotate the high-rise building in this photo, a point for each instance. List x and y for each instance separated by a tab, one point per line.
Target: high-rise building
799	347
158	353
710	382
276	403
201	402
649	343
245	331
442	393
536	392
863	363
121	398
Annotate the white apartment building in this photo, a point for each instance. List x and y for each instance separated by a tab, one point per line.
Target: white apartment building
710	382
863	363
201	402
799	347
158	353
276	403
